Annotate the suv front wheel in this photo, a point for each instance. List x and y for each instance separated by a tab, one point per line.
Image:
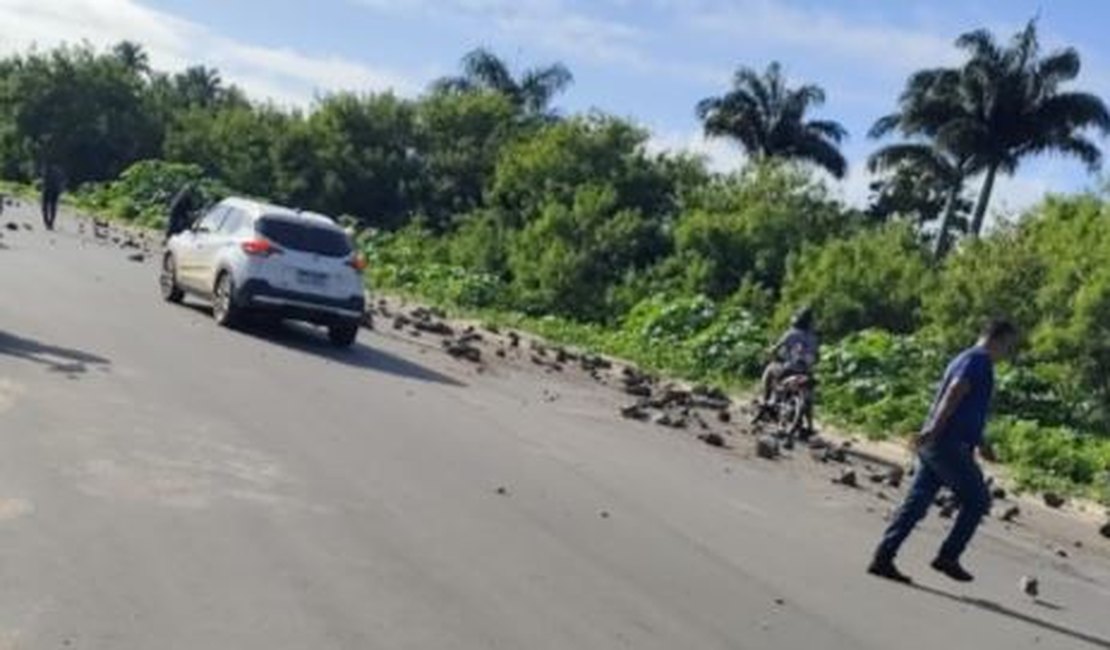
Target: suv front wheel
224	309
343	335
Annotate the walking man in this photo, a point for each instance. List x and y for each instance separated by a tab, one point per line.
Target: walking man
946	455
53	184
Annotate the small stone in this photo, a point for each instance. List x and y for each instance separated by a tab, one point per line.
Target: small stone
713	440
1010	514
503	491
604	514
767	448
780	602
501	353
634	412
724	417
1061	553
136	257
1030	586
895	477
998	494
1105	531
847	478
948	510
463	351
1053	500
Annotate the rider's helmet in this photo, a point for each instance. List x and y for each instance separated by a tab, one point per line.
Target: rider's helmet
803	319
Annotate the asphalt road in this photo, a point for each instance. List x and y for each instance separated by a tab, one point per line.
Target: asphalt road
168	484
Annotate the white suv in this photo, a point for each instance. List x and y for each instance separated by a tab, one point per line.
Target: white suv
250	257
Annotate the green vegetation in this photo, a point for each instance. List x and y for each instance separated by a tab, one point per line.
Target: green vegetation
481	197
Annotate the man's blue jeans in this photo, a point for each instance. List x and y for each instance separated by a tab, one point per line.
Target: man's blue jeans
941	464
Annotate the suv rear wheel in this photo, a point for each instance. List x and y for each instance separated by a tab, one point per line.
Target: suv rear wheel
343	335
224	310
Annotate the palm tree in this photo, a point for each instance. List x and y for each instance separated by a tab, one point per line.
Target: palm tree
532	93
932	171
1003	105
132	56
199	86
767	118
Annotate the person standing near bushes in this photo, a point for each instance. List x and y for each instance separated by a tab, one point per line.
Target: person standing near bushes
945	450
53	184
182	208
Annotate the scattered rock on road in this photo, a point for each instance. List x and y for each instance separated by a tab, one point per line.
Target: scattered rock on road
634	412
1010	514
767	448
847	478
1030	586
1105	530
1053	500
713	440
136	257
670	421
461	350
437	328
11	225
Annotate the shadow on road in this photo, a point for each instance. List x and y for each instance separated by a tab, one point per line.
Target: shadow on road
309	340
55	358
995	608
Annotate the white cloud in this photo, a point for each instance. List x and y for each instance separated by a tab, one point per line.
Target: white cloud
555	25
719	154
285	76
819	31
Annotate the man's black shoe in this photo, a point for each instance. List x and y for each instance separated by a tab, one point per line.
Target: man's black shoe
886	569
952	569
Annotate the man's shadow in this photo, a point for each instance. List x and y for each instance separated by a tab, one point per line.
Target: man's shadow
56	358
995	608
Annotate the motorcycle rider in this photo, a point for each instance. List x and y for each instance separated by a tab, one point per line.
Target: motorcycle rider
796	353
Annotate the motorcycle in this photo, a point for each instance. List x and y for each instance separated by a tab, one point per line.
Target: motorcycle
790	404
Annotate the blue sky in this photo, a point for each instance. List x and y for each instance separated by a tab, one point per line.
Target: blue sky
650	60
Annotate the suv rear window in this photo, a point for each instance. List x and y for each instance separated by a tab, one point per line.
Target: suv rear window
300	236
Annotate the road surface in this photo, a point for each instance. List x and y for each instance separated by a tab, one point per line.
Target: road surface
168	484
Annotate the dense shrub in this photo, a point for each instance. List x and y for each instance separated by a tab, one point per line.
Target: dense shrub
143	191
745	227
875	279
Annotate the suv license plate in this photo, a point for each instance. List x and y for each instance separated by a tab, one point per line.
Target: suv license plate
310	279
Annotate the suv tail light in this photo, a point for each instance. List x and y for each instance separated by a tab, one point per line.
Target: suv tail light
260	247
358	262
